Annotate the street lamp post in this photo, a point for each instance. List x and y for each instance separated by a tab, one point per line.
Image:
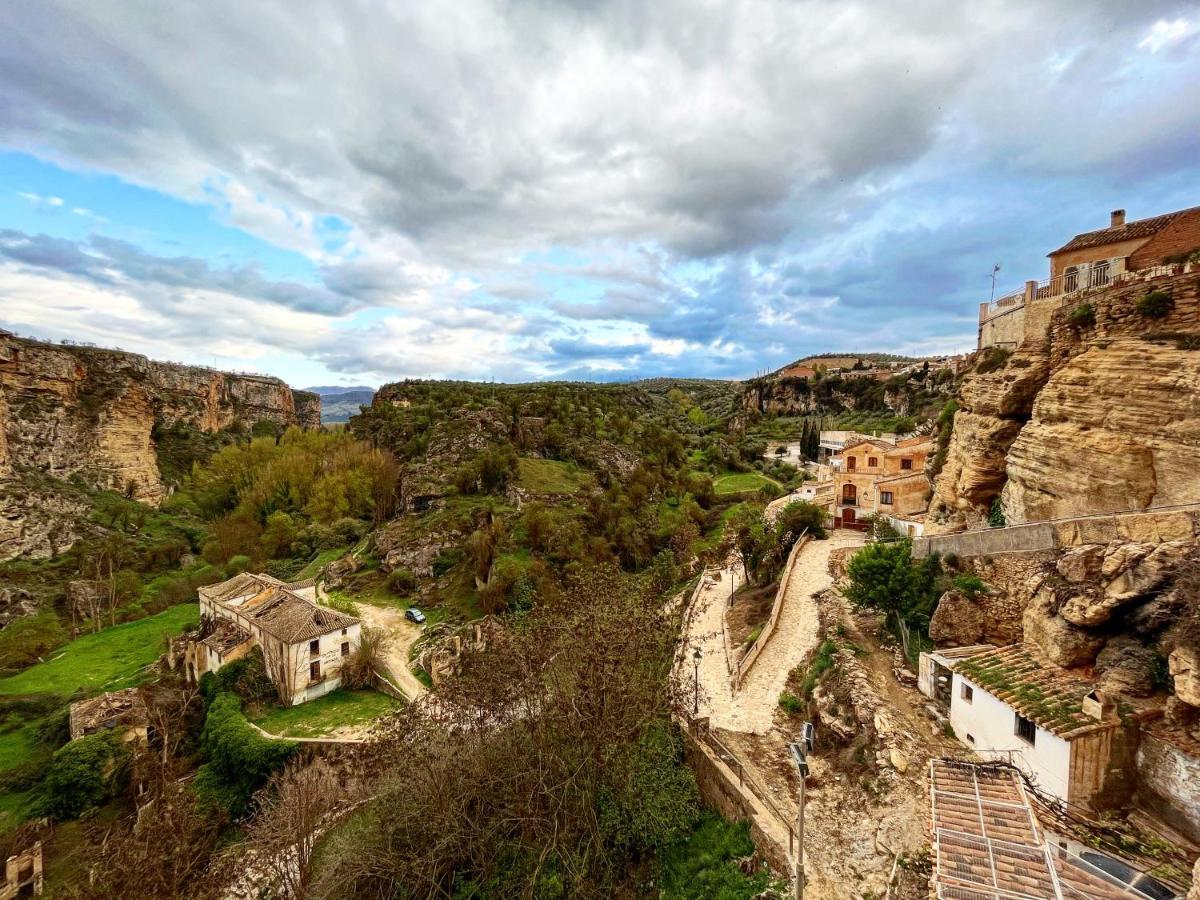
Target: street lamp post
799	752
696	663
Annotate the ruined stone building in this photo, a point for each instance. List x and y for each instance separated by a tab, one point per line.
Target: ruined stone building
303	644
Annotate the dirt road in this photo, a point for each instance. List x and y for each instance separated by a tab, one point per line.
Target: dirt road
404	634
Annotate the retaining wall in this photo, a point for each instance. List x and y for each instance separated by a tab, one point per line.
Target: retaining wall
749	659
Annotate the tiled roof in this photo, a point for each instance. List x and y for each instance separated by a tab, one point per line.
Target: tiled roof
291	618
1041	691
1142	228
987	844
238	586
874	442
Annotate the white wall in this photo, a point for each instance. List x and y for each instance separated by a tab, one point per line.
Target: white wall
331	662
992	724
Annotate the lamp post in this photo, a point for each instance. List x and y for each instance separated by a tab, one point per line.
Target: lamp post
799	752
696	665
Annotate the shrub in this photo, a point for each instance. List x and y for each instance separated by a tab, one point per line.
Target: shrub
790	703
239	760
970	586
1082	316
401	581
1155	305
796	517
85	773
992	359
996	515
247	677
238	564
368	659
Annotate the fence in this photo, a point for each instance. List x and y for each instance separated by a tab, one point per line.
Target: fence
744	664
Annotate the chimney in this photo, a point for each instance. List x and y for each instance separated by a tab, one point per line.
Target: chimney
1117	219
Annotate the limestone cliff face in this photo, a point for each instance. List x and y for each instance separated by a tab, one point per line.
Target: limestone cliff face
1098	417
90	413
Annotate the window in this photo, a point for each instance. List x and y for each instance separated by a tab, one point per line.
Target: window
967	693
906	463
345	648
872	460
1070	279
314	647
885	497
1026	730
1099	274
314	671
343	632
850	463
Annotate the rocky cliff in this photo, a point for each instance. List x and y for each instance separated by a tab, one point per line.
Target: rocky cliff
1103	415
88	414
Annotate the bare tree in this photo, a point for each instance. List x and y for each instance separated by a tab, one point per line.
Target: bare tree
291	812
368	660
279	669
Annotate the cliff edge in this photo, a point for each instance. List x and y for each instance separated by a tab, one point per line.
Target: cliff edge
90	414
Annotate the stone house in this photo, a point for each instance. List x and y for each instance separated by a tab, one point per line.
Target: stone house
1093	260
303	644
873	476
1007	704
23	874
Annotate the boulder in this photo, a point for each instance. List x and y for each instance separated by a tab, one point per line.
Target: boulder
957	621
1184	666
1061	642
1194	893
339	570
1147	571
1081	564
1126	666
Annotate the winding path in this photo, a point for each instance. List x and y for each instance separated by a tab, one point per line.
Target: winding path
752	709
404	634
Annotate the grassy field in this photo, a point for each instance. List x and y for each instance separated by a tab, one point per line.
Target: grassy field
549	476
319	717
104	661
741	482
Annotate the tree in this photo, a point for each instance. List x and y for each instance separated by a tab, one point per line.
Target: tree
238	760
85	774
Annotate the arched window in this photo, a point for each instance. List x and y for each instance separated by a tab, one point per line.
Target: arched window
1099	274
849	494
1071	279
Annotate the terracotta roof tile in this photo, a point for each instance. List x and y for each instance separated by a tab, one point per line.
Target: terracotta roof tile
1141	228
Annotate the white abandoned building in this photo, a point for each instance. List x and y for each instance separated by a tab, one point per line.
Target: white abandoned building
303	644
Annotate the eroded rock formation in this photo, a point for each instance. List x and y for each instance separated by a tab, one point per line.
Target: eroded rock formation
1092	418
85	413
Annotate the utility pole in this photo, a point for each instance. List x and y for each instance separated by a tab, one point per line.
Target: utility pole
995	269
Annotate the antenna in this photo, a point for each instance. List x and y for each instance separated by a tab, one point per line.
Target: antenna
995	269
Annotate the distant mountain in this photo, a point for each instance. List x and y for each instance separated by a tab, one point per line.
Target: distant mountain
339	405
329	390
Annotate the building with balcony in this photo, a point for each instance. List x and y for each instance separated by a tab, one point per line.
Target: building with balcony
872	476
1093	260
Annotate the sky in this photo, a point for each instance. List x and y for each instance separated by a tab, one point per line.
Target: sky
352	192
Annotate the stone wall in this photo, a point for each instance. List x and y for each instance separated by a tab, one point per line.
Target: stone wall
1005	329
1169	784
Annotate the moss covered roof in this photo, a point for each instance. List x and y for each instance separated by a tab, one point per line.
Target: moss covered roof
1041	691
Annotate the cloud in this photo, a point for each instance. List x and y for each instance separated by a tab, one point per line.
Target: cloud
540	188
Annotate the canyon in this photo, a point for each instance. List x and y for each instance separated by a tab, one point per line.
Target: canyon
78	418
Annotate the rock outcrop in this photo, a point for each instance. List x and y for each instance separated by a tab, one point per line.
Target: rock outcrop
1093	418
85	413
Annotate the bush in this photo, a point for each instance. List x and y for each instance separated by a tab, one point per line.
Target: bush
84	774
247	677
992	359
1082	316
970	586
237	565
1155	305
790	703
705	865
801	515
239	760
401	581
996	515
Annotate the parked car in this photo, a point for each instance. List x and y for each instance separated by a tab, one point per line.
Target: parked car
415	615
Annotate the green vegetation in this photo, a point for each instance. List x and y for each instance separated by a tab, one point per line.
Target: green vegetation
342	708
790	703
238	760
1155	305
1082	316
996	514
105	661
885	577
992	359
822	663
945	429
741	483
85	774
705	865
549	476
970	586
